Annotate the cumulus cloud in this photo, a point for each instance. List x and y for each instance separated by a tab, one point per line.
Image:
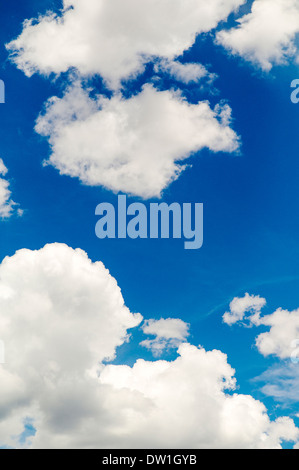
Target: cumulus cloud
114	38
239	306
7	205
282	338
137	145
185	73
169	333
61	316
191	406
284	330
267	35
134	145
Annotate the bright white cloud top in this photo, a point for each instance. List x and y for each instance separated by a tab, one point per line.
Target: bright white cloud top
284	331
61	315
114	38
134	145
239	306
267	35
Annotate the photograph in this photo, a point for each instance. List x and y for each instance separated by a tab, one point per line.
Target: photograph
149	228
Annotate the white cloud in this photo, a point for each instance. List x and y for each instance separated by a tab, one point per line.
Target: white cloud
281	382
167	328
185	73
60	316
169	333
281	340
135	145
188	406
284	330
7	205
242	305
114	38
267	35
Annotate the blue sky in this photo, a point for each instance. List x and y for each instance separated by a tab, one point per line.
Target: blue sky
250	201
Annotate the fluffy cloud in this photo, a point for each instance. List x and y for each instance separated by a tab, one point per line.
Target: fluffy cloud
188	406
7	205
282	338
239	306
60	316
133	145
114	38
169	333
185	73
284	331
267	35
51	287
